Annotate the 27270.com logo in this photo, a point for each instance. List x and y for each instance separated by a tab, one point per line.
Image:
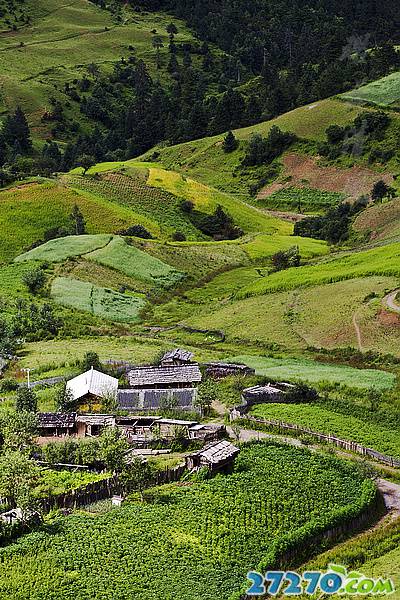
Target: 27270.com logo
336	580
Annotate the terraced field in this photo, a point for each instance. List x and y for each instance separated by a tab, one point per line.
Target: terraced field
152	207
349	427
60	249
300	199
98	301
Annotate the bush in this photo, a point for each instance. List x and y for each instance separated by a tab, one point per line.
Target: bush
34	280
178	236
9	385
137	231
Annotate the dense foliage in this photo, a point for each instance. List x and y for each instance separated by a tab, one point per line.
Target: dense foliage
191	542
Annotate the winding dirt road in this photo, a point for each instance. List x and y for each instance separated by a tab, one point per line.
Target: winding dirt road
391	302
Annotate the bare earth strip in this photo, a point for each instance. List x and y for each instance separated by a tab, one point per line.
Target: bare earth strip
304	171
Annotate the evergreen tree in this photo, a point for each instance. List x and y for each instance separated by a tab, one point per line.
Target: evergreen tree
78	220
230	143
16	132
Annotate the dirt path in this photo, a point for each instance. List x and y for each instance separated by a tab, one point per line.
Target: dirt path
390	301
391	494
358	333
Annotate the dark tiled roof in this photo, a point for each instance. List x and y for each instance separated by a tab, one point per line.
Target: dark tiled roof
65	420
155	399
143	376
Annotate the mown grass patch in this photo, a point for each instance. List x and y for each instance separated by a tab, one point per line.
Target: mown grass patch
384	92
135	263
347	427
301	369
61	249
98	301
378	261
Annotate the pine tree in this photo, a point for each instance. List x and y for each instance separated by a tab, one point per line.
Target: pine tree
16	131
230	143
78	220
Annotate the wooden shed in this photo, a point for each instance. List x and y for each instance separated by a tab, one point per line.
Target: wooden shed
216	456
56	424
176	357
218	370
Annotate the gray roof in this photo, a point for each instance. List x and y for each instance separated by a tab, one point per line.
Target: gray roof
156	399
177	354
50	420
229	366
143	376
218	452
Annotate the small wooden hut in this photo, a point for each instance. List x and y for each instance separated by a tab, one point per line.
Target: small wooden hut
216	456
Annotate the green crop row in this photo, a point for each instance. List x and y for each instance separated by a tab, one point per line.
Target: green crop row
192	542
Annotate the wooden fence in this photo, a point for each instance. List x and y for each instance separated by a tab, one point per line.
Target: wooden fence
102	490
326	438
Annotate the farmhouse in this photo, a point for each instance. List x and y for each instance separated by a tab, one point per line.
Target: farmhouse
56	424
216	456
207	431
93	424
92	386
166	386
266	393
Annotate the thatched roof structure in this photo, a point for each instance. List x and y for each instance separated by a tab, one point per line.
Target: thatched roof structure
142	377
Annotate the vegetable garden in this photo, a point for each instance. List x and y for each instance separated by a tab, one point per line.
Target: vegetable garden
189	542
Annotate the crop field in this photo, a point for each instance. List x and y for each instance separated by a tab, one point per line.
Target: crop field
60	249
384	92
27	211
348	427
206	199
98	301
378	261
301	199
302	369
207	535
157	209
59	482
264	246
134	262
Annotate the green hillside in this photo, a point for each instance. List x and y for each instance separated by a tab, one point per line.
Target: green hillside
206	161
57	45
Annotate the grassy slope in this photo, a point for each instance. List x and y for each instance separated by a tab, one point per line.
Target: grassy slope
380	221
60	249
378	261
27	211
205	160
63	39
319	316
292	369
